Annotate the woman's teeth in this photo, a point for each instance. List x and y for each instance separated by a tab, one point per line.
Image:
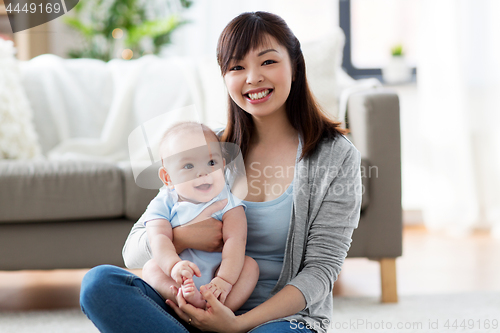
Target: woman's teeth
259	95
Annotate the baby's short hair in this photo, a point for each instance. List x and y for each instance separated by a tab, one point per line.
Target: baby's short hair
182	127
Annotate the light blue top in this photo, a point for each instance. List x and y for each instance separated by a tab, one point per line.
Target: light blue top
268	223
268	227
166	205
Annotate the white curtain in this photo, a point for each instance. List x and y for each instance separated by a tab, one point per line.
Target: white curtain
459	87
309	21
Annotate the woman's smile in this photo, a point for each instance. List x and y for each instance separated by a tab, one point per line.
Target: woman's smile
258	95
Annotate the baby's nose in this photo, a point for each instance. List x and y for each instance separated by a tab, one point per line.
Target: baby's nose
202	172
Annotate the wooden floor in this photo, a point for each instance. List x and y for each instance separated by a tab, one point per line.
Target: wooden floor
431	263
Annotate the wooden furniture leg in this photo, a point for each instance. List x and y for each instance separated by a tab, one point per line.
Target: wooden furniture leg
388	279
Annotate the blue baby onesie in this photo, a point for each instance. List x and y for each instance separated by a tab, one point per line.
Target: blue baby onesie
166	206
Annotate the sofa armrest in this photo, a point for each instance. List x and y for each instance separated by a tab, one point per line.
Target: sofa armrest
373	119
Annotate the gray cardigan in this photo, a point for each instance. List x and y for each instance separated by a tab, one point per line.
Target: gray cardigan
326	208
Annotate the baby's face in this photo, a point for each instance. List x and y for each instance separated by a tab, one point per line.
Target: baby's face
196	171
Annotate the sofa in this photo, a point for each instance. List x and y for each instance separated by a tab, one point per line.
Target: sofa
63	210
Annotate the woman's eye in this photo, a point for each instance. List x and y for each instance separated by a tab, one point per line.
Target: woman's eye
212	163
188	166
268	62
236	68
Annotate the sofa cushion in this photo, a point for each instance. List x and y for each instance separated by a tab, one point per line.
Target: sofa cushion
59	190
136	198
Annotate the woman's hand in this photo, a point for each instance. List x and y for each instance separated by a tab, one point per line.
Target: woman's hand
203	233
216	317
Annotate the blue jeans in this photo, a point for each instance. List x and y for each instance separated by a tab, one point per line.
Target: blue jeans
119	301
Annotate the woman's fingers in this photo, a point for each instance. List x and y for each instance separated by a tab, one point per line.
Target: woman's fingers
212	301
174	290
184	309
178	311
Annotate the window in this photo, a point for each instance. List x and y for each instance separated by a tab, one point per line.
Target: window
372	28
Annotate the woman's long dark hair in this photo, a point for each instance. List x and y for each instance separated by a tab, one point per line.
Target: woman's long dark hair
247	32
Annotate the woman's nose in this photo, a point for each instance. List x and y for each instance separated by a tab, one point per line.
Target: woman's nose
254	76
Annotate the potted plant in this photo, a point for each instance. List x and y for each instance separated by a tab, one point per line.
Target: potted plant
397	70
124	28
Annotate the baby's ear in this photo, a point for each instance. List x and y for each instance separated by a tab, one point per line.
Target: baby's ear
165	178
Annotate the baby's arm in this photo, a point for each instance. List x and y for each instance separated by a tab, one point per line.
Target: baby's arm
160	239
234	233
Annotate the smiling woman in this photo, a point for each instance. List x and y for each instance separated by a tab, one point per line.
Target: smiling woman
276	121
263	75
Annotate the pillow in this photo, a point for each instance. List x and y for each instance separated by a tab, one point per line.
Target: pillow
18	139
323	60
213	89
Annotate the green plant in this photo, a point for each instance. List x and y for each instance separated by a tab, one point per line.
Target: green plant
110	26
397	50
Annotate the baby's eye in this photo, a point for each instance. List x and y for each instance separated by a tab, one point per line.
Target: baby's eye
212	163
236	68
188	166
268	62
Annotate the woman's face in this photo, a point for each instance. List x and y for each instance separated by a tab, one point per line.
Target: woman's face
260	83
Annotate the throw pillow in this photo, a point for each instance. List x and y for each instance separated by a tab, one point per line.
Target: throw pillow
18	139
323	59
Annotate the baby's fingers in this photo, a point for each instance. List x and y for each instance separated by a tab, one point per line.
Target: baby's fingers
223	297
186	274
177	278
196	270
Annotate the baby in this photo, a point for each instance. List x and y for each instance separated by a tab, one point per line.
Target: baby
193	172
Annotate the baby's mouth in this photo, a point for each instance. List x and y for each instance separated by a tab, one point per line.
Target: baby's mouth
203	187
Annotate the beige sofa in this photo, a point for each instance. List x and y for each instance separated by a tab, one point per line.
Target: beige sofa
76	214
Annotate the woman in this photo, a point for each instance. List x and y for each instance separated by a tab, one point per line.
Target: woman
299	223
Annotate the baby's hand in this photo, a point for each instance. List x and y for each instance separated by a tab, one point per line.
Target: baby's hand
183	270
219	288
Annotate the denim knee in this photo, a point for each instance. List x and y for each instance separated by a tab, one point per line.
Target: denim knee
96	284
